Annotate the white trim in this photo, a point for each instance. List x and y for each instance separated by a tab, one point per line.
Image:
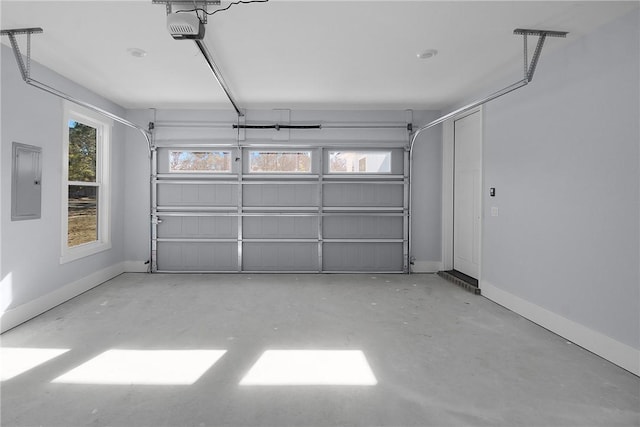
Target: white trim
103	127
448	140
136	267
426	267
608	348
447	195
20	314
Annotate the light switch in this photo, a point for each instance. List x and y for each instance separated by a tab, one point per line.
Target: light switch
494	211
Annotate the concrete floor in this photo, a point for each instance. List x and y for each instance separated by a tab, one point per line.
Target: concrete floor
441	356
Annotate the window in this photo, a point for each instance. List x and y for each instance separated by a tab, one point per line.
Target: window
199	161
360	162
85	216
280	161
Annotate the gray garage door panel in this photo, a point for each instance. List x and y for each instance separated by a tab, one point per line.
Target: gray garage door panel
197	195
198	227
272	227
363	194
280	195
280	256
362	257
197	256
363	227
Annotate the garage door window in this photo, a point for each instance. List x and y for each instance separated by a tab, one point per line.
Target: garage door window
280	162
370	162
185	161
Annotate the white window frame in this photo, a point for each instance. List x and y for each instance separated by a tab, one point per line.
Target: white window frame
103	128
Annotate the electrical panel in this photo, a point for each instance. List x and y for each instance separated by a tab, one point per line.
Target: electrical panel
26	182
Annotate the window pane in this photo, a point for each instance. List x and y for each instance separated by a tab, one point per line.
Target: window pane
280	161
360	161
199	161
83	215
82	152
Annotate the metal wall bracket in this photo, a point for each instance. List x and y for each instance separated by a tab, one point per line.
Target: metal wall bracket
25	71
529	70
189	5
16	31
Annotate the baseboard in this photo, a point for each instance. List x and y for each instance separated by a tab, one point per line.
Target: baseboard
614	351
426	266
136	267
20	314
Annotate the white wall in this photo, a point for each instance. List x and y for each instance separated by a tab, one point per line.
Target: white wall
33	280
563	155
427	172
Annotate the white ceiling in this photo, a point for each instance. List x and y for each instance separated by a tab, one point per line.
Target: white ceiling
299	54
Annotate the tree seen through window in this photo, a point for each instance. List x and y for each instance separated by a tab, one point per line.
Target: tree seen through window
199	161
279	161
82	188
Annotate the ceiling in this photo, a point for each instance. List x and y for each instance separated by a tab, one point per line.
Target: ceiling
301	54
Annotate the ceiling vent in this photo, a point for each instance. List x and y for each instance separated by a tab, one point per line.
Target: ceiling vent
185	26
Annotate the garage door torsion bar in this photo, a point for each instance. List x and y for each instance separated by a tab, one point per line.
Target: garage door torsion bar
221	125
529	70
25	71
277	126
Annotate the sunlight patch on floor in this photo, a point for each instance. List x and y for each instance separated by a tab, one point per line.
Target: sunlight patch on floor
17	360
144	367
310	367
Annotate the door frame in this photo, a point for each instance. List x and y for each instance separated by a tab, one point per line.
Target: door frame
448	139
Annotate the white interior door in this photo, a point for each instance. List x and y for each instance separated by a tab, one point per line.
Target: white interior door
467	190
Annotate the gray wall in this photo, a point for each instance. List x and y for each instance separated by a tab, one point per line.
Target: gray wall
563	154
428	161
30	263
427	194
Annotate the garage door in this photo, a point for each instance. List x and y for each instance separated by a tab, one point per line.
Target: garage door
279	209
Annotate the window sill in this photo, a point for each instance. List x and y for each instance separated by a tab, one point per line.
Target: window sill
82	251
